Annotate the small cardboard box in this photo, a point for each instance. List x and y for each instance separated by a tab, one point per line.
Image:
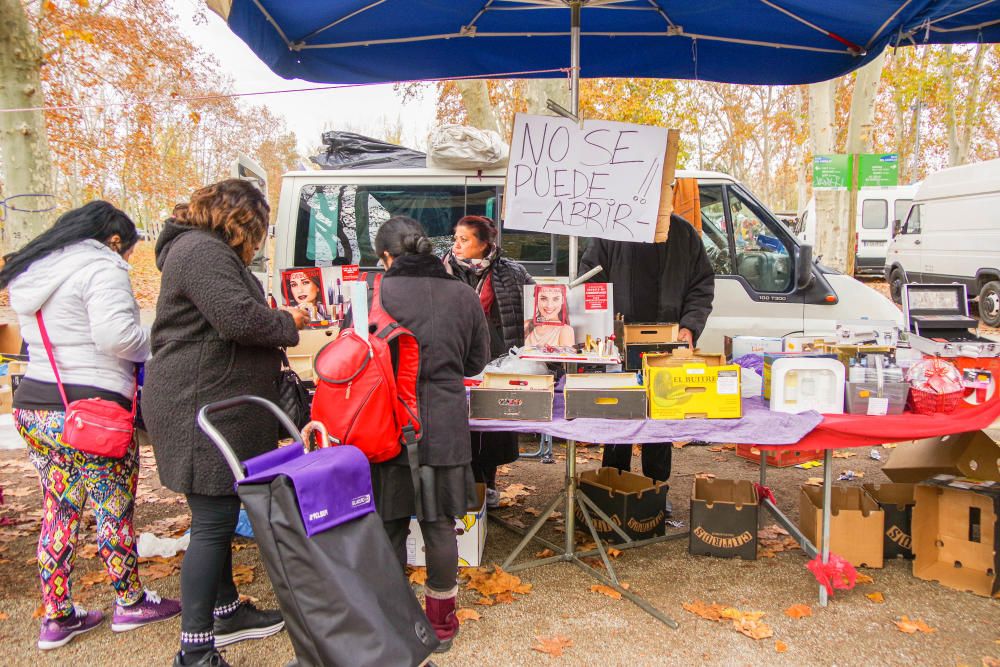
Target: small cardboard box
781	458
605	396
637	340
738	346
723	518
6	391
469	529
896	501
856	523
635	503
956	536
302	357
817	343
974	454
690	384
512	396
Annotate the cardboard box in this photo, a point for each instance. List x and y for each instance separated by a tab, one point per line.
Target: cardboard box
723	518
10	340
867	332
512	396
782	458
689	384
856	523
605	396
972	454
635	503
6	392
735	347
634	341
956	532
896	501
820	343
302	357
470	531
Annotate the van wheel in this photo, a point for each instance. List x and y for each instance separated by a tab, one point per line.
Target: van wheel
896	282
989	304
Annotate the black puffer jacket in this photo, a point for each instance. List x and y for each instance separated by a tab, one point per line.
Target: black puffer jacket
214	338
507	318
658	282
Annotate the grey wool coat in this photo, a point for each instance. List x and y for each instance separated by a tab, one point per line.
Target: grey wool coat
214	338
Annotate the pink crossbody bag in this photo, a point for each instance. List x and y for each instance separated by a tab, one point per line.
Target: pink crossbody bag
93	425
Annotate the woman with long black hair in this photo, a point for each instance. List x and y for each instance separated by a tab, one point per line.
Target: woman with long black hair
76	275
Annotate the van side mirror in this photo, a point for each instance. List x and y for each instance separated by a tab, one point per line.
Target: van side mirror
897	226
803	266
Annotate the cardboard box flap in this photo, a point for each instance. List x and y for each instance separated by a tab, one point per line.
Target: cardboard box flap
517	382
650	333
614	481
899	495
727	491
10	339
849	498
682	356
603	381
973	454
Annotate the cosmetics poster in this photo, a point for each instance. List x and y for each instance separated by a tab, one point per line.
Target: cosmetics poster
320	291
569	324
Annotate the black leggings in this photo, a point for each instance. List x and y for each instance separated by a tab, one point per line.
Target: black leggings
207	571
441	547
656	459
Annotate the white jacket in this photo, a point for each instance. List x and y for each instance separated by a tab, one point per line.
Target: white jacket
90	314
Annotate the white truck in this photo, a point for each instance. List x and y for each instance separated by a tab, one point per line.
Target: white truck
952	235
766	282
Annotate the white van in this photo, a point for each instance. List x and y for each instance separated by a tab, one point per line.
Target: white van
879	209
952	234
766	282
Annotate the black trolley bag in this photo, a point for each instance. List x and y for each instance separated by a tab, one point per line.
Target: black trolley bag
345	599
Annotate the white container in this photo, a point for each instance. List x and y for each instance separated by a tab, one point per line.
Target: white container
798	385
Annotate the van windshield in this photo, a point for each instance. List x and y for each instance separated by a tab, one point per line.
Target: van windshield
337	224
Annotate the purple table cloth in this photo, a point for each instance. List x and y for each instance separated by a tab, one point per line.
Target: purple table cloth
758	426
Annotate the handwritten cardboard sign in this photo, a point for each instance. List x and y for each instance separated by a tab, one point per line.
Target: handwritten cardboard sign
601	180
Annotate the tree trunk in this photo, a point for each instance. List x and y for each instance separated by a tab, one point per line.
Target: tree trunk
476	100
24	150
971	107
539	91
822	131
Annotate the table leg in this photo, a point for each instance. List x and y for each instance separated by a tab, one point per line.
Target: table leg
570	516
825	531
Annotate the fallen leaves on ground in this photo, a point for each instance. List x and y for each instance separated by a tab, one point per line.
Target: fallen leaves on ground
3	616
94	578
704	475
843	454
532	511
875	597
87	551
496	584
911	627
606	590
715	449
780	646
863	579
890	445
814	481
614	553
745	622
799	611
418	575
485	602
773	540
990	662
545	553
511	495
553	646
466	614
242	574
39	612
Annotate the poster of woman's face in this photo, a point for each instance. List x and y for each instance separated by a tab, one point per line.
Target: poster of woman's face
550	305
558	319
303	288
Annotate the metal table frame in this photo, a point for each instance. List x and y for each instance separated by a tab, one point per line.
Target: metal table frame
570	499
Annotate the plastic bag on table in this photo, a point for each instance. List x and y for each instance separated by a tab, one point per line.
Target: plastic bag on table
511	363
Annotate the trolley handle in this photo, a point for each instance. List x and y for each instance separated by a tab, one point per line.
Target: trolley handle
219	440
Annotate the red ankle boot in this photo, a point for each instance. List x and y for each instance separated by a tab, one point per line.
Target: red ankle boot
441	614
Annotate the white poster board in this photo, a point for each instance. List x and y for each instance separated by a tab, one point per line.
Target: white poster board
559	322
601	180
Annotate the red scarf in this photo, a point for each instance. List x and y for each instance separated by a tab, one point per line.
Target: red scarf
486	294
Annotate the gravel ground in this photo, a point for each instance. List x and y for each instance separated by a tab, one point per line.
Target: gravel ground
851	631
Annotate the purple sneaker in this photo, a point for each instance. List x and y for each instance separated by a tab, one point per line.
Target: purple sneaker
150	609
59	632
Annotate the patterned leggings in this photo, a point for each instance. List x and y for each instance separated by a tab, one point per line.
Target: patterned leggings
67	477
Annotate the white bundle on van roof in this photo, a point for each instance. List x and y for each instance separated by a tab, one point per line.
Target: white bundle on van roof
462	147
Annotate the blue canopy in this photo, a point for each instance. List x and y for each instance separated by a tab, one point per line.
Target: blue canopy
736	41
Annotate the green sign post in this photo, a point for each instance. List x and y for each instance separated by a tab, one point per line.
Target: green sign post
879	170
832	172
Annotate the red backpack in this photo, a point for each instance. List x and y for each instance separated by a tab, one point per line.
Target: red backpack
366	390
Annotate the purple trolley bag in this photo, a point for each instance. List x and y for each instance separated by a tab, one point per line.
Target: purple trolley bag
345	599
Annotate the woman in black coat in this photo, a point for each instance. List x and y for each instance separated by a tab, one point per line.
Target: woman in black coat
447	320
475	258
214	338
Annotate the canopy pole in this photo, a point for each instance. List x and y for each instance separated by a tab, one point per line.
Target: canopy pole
574	100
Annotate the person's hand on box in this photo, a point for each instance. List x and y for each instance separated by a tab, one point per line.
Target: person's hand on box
300	316
685	336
